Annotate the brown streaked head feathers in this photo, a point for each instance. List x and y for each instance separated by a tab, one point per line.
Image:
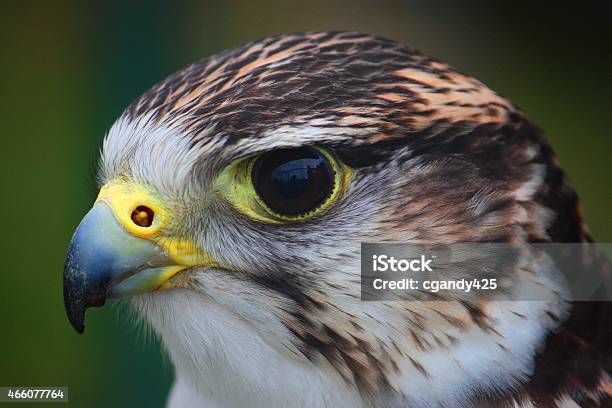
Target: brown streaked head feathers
347	79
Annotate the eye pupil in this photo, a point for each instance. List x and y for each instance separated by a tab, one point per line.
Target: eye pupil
293	182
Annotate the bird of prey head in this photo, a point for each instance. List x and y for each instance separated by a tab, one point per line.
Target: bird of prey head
234	198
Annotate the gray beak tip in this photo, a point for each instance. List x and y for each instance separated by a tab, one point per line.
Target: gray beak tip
79	294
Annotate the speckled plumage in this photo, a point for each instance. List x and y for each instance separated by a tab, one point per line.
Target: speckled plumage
438	158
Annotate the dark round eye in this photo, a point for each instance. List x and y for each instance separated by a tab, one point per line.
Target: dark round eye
293	182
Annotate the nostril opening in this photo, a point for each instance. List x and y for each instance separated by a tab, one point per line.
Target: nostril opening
142	216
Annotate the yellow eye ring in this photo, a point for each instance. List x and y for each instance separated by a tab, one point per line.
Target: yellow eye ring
285	185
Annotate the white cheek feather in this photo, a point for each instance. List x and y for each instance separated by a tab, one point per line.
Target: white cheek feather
478	363
229	349
221	359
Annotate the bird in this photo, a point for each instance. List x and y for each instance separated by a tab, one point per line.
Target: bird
234	199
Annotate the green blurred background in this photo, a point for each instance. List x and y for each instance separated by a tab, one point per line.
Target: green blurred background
69	69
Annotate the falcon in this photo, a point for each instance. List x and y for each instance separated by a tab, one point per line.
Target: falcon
235	194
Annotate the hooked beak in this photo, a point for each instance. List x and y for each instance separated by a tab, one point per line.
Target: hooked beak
117	250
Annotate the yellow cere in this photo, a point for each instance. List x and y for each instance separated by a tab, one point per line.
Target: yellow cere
125	196
235	184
